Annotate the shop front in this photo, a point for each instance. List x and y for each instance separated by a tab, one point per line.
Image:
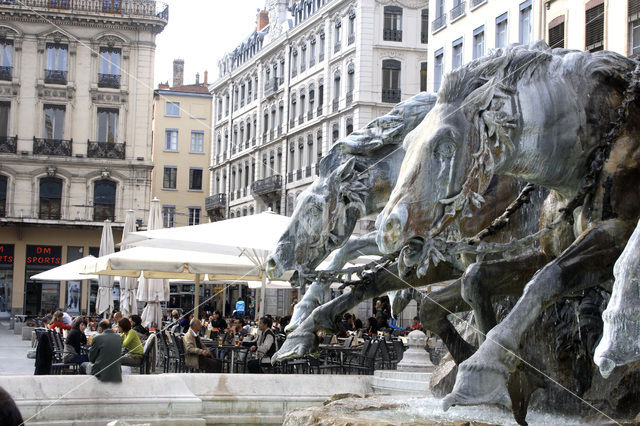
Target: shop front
6	278
41	297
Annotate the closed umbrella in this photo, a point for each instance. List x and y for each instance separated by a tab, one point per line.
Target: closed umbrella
104	302
128	285
153	291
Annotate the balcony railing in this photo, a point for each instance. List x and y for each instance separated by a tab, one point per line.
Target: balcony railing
239	193
298	174
335	105
292	122
392	35
307	171
424	37
439	22
349	97
290	177
337	47
8	144
310	114
267	185
319	111
294	72
217	201
5	73
271	134
458	11
475	3
106	150
253	141
351	39
391	95
303	67
232	196
129	8
55	77
312	61
61	147
301	118
279	131
321	56
111	81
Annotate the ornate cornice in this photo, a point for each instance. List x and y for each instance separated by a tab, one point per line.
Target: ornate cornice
410	4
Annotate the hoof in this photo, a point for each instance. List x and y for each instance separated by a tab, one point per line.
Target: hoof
301	312
605	366
479	383
297	345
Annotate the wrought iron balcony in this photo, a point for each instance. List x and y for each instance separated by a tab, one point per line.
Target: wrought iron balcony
106	150
391	95
458	11
424	37
301	119
292	122
310	114
232	196
335	105
349	97
439	22
239	193
55	77
217	201
392	35
298	174
267	185
241	102
111	81
290	177
475	3
5	73
307	171
351	39
271	134
303	67
8	144
129	8
279	131
312	61
319	111
337	47
61	147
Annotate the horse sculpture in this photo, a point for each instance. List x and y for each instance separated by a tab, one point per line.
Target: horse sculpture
541	116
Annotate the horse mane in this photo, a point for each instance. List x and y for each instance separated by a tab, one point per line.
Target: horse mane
517	63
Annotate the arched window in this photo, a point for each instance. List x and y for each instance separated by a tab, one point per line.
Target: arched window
3	196
50	198
104	200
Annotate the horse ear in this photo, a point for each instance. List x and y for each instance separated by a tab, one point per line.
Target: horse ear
479	100
344	171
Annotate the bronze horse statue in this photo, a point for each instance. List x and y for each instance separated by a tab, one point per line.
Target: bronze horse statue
540	116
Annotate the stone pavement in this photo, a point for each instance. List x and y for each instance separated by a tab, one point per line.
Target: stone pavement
13	353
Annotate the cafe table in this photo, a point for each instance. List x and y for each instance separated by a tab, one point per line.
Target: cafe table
232	348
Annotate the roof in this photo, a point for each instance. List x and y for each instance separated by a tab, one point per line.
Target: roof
190	88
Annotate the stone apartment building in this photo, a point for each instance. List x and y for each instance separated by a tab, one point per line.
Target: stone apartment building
311	73
76	93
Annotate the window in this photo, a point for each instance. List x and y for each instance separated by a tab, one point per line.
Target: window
391	69
109	68
501	30
337	36
197	141
392	23
478	42
171	140
6	59
168	216
104	200
303	57
424	26
525	22
456	59
3	196
53	122
441	18
4	118
50	198
294	63
321	48
195	179
437	69
423	76
457	10
107	125
556	33
173	109
56	68
336	91
351	37
634	26
170	177
594	27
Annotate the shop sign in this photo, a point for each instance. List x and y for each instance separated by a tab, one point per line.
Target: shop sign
44	255
6	254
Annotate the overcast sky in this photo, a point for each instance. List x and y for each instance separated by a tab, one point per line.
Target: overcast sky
201	32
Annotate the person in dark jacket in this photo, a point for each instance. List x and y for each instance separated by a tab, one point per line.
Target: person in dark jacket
218	322
104	355
74	342
9	412
138	327
44	355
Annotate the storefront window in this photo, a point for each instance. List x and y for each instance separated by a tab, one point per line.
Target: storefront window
6	276
41	296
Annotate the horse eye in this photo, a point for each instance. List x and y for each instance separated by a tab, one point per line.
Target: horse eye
445	149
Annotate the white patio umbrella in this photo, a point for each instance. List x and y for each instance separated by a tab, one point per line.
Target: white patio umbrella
71	271
153	291
253	237
104	302
128	285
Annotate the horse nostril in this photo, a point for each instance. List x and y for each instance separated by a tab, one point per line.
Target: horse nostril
392	223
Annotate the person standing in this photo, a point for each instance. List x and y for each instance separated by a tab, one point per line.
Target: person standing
265	346
195	353
104	355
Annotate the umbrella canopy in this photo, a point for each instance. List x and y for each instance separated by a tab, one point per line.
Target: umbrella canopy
71	271
104	302
128	285
153	291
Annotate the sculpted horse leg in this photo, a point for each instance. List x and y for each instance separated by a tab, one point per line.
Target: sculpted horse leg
502	277
587	262
319	292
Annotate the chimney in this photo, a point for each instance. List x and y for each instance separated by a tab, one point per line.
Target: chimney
206	77
163	85
197	78
178	72
262	20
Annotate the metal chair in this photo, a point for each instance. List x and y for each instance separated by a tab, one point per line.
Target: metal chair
360	364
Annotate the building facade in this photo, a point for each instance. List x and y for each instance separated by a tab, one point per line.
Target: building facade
181	148
311	73
76	92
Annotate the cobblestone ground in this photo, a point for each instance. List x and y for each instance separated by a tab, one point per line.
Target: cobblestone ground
13	353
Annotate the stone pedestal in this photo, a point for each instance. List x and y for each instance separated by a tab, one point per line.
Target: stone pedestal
416	358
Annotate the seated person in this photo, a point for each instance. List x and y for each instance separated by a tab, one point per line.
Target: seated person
217	322
57	322
104	355
264	348
72	353
131	342
195	354
136	325
416	324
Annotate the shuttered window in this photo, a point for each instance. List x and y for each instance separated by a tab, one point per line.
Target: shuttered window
594	27
556	33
